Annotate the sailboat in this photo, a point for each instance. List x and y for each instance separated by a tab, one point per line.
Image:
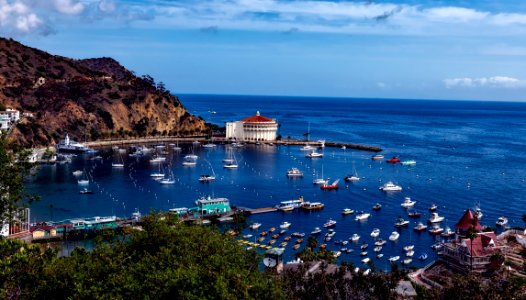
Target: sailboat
190	159
119	163
320	180
208	177
84	180
229	158
354	176
333	186
307	147
231	161
168	180
176	147
157	175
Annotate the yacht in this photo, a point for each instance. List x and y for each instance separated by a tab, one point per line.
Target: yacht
478	213
352	178
365	261
390	187
77	173
394	236
435	218
314	154
307	148
414	214
377	248
347	211
377	206
206	178
355	237
375	232
316	231
394	258
433	207
362	216
377	157
448	232
380	242
408	162
312	205
502	221
285	225
255	226
409	248
436	230
329	223
294	172
407	203
400	222
67	145
420	227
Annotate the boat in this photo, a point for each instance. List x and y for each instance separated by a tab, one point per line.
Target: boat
435	218
77	173
231	161
379	255
375	232
285	225
436	230
67	145
189	160
296	246
502	221
478	213
314	154
400	222
355	237
363	253
330	234
316	231
447	232
390	187
394	236
366	260
329	223
420	227
352	177
209	145
410	162
377	157
393	160
380	242
255	226
119	163
290	204
294	172
377	248
168	180
333	186
407	260
84	180
408	202
423	256
347	211
312	205
437	246
159	174
394	258
320	180
362	216
377	206
413	214
157	159
85	191
206	178
409	248
433	207
298	234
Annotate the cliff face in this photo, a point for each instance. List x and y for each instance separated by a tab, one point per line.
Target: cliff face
89	99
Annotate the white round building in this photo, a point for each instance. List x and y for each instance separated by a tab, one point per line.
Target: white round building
252	129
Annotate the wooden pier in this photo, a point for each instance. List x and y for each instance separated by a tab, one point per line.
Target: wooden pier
290	142
254	211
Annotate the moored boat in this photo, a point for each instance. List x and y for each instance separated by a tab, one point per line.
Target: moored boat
393	160
435	218
448	232
377	206
502	221
362	216
316	231
355	237
375	232
394	236
347	211
284	225
408	202
312	205
390	187
420	227
400	222
377	157
255	226
333	186
329	223
410	162
294	172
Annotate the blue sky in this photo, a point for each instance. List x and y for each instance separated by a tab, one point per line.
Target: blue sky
390	49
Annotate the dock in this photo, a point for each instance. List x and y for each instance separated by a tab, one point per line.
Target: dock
291	142
254	211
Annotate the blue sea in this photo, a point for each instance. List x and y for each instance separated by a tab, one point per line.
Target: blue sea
468	153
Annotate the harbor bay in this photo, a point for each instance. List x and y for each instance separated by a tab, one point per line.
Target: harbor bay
460	164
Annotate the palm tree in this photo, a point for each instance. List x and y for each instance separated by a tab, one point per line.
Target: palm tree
471	233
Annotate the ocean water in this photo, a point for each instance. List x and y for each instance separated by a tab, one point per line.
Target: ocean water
468	154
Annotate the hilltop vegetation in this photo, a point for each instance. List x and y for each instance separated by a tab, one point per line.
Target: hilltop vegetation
89	98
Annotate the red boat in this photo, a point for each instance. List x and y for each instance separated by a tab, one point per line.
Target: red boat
393	160
333	186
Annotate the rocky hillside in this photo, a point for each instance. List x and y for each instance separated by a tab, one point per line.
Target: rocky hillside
89	99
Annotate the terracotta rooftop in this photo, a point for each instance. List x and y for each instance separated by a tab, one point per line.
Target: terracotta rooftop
482	244
258	119
468	220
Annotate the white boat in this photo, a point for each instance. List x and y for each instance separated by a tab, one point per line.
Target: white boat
157	159
285	225
379	255
407	203
168	180
377	248
209	145
367	272
420	227
77	173
347	211
400	222
67	145
316	231
390	187
362	216
294	172
336	254
407	261
295	203
409	247
307	148
366	260
255	226
314	154
502	221
435	218
394	258
353	177
409	253
208	177
394	236
448	232
377	157
408	162
320	180
157	175
312	205
191	156
436	229
478	213
83	181
117	165
355	237
329	223
375	233
380	242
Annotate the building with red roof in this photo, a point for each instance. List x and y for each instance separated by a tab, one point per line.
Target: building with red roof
252	129
468	220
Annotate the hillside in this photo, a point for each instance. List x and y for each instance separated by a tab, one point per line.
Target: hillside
89	99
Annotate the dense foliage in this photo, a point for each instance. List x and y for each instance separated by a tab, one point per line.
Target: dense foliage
166	260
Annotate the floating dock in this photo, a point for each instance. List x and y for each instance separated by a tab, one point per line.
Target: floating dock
254	211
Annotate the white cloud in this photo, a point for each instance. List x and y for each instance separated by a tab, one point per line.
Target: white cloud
107	6
491	82
17	17
69	7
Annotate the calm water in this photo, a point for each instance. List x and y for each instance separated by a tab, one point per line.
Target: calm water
467	153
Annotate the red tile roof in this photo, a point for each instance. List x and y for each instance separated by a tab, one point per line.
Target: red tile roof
257	119
468	220
481	243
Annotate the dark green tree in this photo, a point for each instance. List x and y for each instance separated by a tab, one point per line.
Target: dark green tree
471	234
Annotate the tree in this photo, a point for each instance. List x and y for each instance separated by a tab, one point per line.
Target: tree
471	233
13	166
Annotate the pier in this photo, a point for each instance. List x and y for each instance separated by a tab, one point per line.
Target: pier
290	142
254	211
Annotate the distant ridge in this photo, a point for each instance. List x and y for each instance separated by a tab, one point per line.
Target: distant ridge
89	98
